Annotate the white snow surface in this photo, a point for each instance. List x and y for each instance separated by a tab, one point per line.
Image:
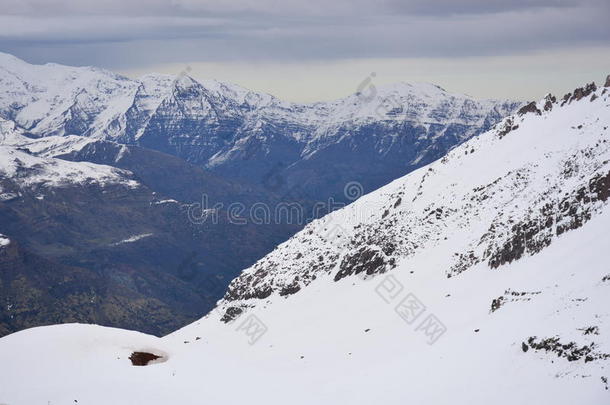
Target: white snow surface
134	238
31	170
31	162
342	342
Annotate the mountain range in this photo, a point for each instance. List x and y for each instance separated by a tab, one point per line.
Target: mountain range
152	188
307	150
479	278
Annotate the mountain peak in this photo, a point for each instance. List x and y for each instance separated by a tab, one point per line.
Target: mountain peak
184	81
10	61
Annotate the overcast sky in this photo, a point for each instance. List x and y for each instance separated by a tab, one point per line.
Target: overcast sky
318	50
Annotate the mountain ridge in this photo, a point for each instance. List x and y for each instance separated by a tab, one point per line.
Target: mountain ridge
249	136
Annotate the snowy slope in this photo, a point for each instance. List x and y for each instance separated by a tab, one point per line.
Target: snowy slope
481	278
496	198
30	171
54	99
19	165
391	363
30	163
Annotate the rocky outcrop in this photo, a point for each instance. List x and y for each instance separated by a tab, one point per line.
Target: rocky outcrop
569	351
529	108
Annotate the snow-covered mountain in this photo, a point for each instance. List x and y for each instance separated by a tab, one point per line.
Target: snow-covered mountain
31	171
480	278
373	136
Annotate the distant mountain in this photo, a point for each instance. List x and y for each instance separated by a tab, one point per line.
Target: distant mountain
480	278
307	150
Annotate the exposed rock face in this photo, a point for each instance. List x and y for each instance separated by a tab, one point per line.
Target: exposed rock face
550	100
570	351
529	108
365	260
579	93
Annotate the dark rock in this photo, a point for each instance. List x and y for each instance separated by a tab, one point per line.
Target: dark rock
142	358
535	234
529	108
570	351
231	313
549	101
506	128
591	330
290	289
496	303
582	92
365	260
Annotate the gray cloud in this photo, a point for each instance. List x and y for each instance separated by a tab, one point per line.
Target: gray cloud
121	33
451	7
279	7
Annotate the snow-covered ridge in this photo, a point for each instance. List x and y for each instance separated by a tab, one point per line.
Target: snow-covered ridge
61	100
496	198
37	167
38	97
29	170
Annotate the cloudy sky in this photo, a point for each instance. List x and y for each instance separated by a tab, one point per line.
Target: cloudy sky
313	50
